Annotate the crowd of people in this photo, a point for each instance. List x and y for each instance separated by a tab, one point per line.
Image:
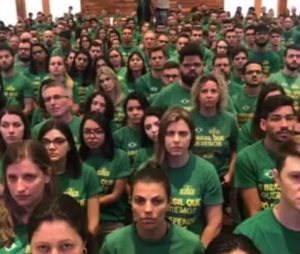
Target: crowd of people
128	134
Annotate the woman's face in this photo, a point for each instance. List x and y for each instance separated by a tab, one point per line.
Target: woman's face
115	58
11	128
26	182
135	112
222	48
101	34
81	62
178	138
149	205
56	145
151	126
38	54
135	63
115	43
106	83
70	58
93	134
56	66
209	95
100	63
56	237
98	104
85	43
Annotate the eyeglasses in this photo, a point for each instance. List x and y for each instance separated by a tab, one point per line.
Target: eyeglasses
96	132
54	98
56	142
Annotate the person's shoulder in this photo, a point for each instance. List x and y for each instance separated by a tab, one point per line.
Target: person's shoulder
202	165
254	147
117	236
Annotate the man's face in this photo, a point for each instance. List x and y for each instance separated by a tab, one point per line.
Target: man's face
173	36
157	60
231	39
48	37
222	67
64	42
250	36
95	52
149	40
289	182
279	125
261	38
287	23
197	36
24	51
2	35
275	39
160	29
239	33
253	75
239	61
6	60
292	59
14	42
170	75
181	42
190	68
127	35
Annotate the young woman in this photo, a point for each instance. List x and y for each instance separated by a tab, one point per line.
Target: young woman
38	68
116	62
195	184
135	69
216	130
84	42
128	138
70	59
111	166
250	131
150	129
151	232
222	48
107	81
81	72
58	226
73	178
27	176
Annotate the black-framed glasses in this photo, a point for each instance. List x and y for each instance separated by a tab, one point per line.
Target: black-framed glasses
56	142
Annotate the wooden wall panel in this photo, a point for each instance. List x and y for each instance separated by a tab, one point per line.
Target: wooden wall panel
46	6
21	9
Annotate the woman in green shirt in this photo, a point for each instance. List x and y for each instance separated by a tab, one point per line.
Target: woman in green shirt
73	177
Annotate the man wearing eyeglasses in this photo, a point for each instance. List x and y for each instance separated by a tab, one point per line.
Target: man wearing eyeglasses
57	101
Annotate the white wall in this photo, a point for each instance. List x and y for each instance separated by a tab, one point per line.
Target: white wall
59	7
294	3
230	5
8	14
33	6
271	4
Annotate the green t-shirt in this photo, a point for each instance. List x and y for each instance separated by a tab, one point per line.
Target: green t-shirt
148	85
245	137
234	88
129	140
108	171
35	80
270	61
20	244
234	78
74	126
17	88
194	186
82	188
290	85
254	168
21	67
127	241
127	51
216	138
119	117
269	235
174	95
245	107
143	155
84	91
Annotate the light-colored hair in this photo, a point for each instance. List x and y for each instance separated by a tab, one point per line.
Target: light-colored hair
118	94
201	81
173	115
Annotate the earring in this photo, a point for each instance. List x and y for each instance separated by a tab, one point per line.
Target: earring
85	250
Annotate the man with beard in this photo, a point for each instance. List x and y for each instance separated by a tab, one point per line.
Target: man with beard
179	93
17	88
239	59
151	83
23	57
127	44
255	163
270	60
245	102
289	77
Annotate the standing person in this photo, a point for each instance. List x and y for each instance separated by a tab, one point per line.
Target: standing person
151	233
194	181
111	166
255	164
16	87
162	8
73	178
27	174
278	228
144	11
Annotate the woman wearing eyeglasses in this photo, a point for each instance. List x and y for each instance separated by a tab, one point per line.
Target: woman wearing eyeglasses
73	178
112	168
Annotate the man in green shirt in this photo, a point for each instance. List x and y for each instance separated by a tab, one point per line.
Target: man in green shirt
178	94
16	87
255	164
65	44
239	59
23	57
245	102
277	230
289	77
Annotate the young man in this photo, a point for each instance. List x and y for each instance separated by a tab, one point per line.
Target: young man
16	87
277	230
255	164
170	73
239	59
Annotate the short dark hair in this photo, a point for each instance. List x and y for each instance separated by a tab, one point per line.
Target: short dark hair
155	49
237	51
191	49
250	62
220	56
4	47
276	30
141	98
170	65
291	47
152	173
